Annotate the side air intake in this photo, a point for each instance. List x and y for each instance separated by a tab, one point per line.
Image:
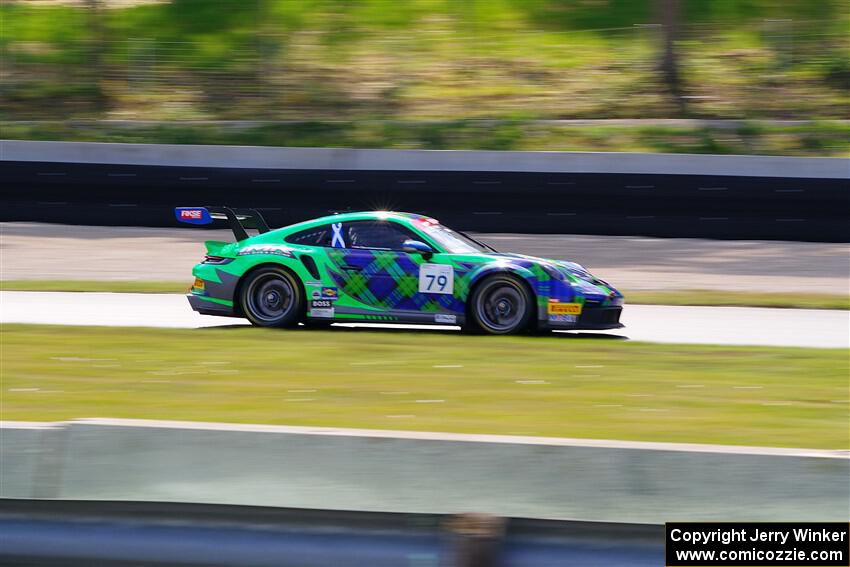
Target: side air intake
310	264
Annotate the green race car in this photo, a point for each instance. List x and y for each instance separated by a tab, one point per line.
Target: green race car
380	266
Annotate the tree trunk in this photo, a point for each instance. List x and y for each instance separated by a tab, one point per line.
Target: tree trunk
669	10
477	540
96	47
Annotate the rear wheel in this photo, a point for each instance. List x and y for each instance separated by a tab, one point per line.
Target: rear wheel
272	297
501	305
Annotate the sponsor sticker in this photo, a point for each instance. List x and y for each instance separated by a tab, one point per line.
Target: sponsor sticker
316	294
330	293
558	308
447	319
321	304
193	215
563	318
313	284
436	278
275	249
323	312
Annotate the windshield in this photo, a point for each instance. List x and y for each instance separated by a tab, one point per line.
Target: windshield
452	241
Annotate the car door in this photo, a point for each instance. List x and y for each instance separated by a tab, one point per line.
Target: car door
369	266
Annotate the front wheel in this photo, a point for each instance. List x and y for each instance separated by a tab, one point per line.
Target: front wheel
501	305
272	297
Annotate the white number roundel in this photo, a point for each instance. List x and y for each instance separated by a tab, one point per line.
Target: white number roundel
436	278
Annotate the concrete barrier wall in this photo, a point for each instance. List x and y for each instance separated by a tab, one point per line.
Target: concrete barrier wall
667	195
260	157
29	454
429	473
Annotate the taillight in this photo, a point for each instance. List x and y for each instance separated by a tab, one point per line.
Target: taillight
217	260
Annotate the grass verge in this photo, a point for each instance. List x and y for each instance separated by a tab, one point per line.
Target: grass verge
430	381
96	285
812	138
739	299
676	297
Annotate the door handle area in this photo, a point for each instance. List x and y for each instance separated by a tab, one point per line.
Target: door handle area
350	268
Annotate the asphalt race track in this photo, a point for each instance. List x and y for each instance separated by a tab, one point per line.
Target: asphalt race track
652	323
54	251
51	251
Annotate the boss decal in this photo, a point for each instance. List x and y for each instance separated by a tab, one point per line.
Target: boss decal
436	278
321	304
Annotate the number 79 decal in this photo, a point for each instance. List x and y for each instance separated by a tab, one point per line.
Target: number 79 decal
436	278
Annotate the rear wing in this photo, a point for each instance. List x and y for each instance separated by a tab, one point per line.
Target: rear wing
238	219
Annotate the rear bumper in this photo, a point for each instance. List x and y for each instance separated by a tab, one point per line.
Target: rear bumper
592	319
206	307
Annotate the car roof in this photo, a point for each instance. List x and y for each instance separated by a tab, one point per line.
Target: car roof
355	216
367	215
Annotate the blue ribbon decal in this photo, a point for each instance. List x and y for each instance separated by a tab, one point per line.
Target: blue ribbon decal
337	241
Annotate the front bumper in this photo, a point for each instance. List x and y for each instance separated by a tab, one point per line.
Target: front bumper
206	307
592	319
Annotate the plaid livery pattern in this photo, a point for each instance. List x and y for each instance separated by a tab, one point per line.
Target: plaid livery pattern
390	280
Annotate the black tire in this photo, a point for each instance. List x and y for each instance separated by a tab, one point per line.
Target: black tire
272	297
501	305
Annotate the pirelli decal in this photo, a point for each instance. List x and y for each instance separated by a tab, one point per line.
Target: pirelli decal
558	308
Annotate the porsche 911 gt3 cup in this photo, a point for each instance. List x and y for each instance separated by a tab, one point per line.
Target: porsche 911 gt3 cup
388	267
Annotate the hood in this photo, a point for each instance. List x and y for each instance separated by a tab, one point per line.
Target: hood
578	276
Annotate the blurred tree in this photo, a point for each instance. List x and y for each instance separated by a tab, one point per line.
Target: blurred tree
96	51
670	12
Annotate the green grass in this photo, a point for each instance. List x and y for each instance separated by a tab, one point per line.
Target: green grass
675	297
739	298
94	285
815	138
430	381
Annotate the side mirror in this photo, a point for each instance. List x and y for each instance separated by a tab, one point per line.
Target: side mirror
417	247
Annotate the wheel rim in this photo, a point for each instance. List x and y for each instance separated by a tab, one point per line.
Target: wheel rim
501	306
270	298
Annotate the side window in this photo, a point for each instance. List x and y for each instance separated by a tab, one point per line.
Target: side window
316	236
382	235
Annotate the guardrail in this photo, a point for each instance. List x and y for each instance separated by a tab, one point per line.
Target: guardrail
81	533
391	471
538	192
